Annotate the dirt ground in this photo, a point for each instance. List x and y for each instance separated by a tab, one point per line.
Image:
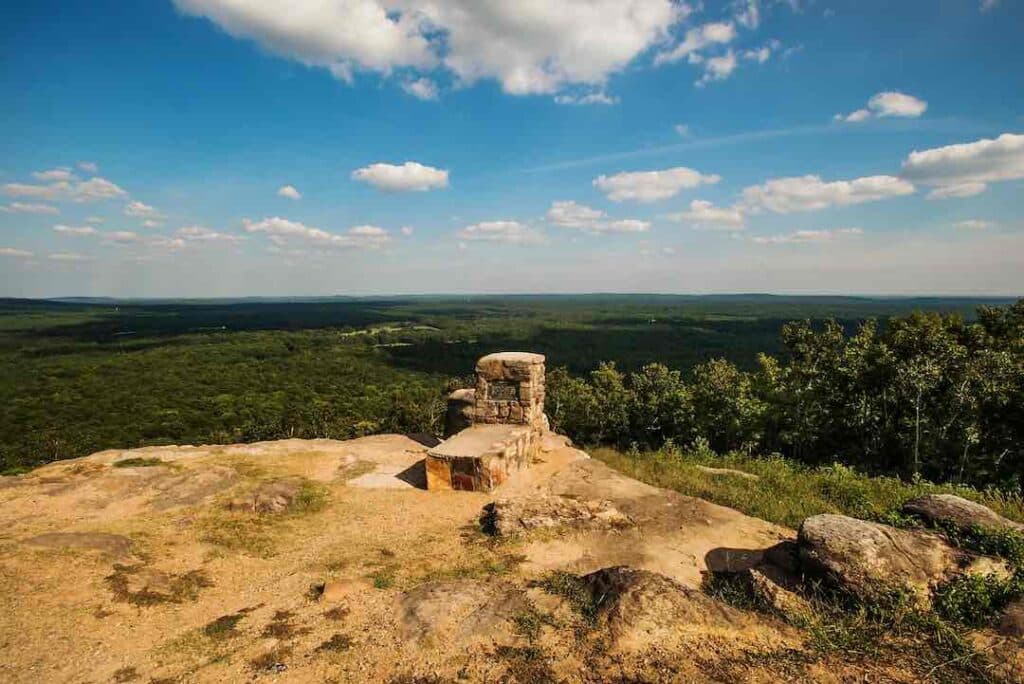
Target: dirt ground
326	561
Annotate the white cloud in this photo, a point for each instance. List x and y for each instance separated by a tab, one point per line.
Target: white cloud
120	237
533	48
959	190
95	220
807	236
201	234
682	130
649	186
68	256
280	230
987	5
74	230
96	189
75	190
138	209
704	214
598	97
748	13
11	252
29	208
697	39
406	231
809	193
410	176
568	214
890	103
718	68
510	232
289	192
973	224
88	166
965	169
59	174
763	53
421	88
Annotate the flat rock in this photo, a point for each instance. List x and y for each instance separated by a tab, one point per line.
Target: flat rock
868	558
112	546
269	498
639	609
512	516
459	612
962	513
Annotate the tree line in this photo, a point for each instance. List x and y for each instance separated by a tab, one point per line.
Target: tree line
925	395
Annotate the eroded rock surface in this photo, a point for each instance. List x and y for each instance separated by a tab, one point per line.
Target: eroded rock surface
868	558
949	509
1011	623
459	612
512	516
112	546
639	609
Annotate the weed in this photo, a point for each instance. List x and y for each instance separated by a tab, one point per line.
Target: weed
181	588
139	462
336	613
271	661
310	498
974	600
527	665
383	578
574	590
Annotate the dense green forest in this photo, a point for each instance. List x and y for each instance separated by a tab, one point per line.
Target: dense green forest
862	381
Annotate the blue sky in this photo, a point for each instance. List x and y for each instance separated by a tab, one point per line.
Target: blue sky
236	147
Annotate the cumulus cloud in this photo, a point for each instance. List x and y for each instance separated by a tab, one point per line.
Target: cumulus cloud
91	190
59	174
74	230
966	169
142	210
807	236
289	192
510	232
12	252
568	214
280	230
697	39
704	214
809	193
421	88
201	234
29	208
410	176
598	97
973	224
650	186
891	103
718	68
535	49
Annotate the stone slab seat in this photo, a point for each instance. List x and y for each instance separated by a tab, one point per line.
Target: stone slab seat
479	458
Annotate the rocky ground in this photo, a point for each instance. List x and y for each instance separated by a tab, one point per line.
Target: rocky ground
327	561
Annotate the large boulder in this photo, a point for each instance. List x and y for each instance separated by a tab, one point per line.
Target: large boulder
639	609
869	559
948	509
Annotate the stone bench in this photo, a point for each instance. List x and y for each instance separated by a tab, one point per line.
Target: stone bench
480	457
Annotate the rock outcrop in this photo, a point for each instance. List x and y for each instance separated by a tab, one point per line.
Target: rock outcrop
639	608
512	516
869	559
948	509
